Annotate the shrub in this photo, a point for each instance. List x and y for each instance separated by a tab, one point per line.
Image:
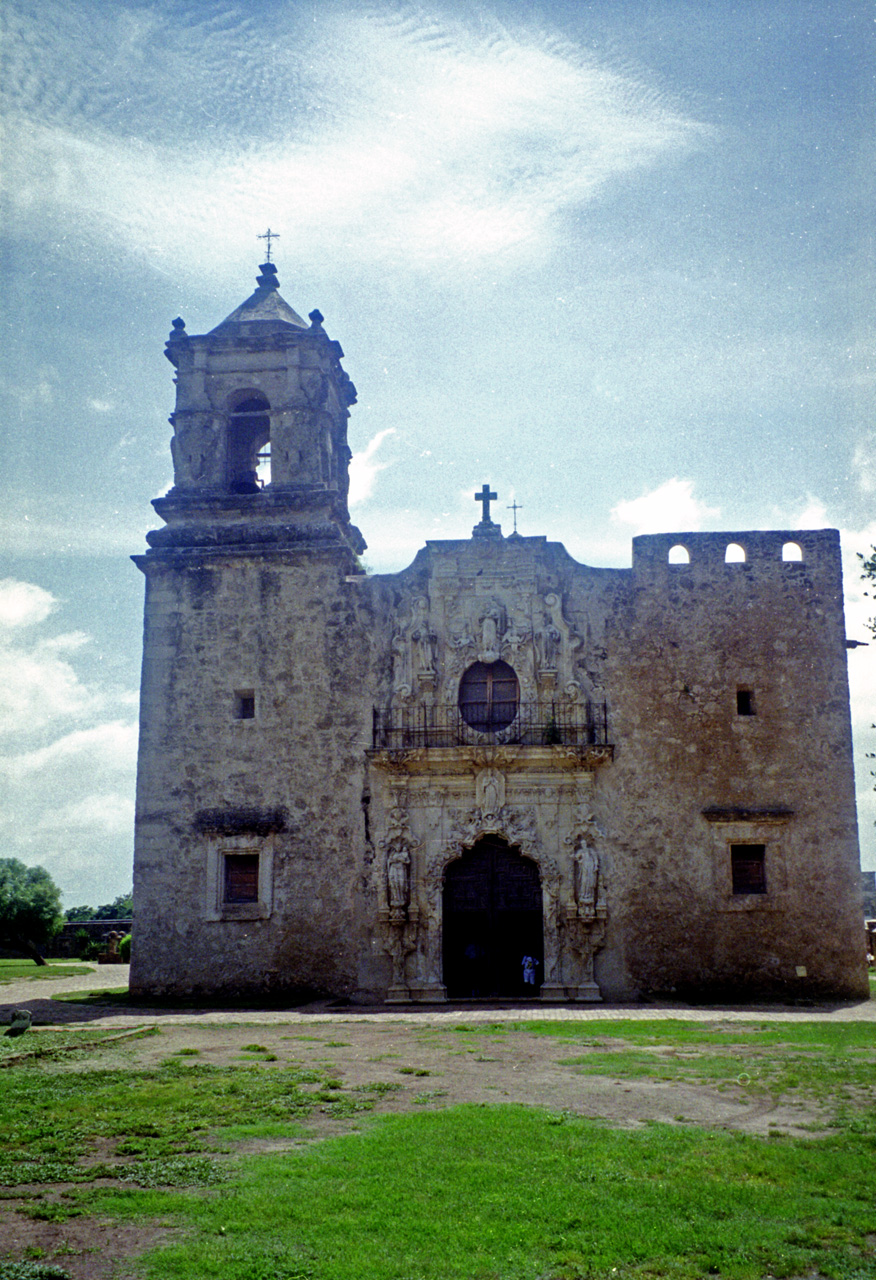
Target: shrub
125	949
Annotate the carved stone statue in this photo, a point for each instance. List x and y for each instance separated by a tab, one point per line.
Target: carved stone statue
490	786
398	877
550	645
490	635
423	639
586	879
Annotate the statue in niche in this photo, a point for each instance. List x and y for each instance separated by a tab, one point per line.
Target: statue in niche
490	634
490	785
550	645
586	878
422	638
398	877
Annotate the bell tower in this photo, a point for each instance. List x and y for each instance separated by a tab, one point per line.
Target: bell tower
255	703
259	431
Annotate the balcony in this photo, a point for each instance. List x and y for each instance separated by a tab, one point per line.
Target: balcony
580	727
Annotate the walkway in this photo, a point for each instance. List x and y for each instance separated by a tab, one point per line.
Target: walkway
36	995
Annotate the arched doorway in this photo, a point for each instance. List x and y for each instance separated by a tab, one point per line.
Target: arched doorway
492	919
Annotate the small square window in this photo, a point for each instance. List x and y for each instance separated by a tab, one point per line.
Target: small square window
244	704
241	877
745	702
748	867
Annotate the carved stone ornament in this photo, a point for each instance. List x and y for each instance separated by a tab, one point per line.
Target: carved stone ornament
518	827
491	629
398	877
399	941
423	640
582	939
192	447
587	897
490	791
401	668
556	645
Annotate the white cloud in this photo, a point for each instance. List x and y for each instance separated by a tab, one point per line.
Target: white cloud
864	462
111	746
669	508
364	468
813	516
38	687
110	813
68	767
101	406
387	162
23	604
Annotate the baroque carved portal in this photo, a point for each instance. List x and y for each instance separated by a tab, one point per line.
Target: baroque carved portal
492	923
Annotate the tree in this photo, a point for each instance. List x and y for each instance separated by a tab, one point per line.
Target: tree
121	909
30	907
75	915
868	573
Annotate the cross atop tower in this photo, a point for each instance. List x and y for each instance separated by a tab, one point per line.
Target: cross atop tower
515	507
269	236
486	496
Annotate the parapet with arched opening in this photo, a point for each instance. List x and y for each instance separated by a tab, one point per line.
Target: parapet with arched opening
658	556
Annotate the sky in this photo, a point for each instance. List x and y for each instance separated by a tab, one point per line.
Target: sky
615	259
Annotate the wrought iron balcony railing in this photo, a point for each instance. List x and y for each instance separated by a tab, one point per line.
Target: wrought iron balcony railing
528	724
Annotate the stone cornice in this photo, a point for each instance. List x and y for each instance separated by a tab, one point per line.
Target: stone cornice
511	758
743	813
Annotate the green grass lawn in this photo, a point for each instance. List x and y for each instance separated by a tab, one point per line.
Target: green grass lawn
15	970
462	1193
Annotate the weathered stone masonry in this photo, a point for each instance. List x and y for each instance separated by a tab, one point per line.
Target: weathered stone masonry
395	786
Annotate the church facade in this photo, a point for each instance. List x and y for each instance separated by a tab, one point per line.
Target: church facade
497	773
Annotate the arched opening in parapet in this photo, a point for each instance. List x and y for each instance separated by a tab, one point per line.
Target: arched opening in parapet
735	554
493	928
249	442
679	555
792	551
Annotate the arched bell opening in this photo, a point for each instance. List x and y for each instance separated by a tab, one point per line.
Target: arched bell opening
249	443
492	922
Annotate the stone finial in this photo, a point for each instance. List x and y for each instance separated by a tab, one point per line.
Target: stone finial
316	318
178	331
268	279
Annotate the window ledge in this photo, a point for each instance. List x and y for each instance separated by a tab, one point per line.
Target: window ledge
749	902
241	911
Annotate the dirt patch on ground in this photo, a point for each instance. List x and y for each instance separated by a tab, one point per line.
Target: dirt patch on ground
398	1067
428	1066
86	1248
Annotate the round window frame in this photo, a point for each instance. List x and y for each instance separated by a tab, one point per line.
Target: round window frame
488	722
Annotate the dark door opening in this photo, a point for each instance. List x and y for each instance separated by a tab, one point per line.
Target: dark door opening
492	919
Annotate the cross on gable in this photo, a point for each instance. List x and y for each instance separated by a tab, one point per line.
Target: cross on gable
486	496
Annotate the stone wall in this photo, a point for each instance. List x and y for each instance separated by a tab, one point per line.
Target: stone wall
667	649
